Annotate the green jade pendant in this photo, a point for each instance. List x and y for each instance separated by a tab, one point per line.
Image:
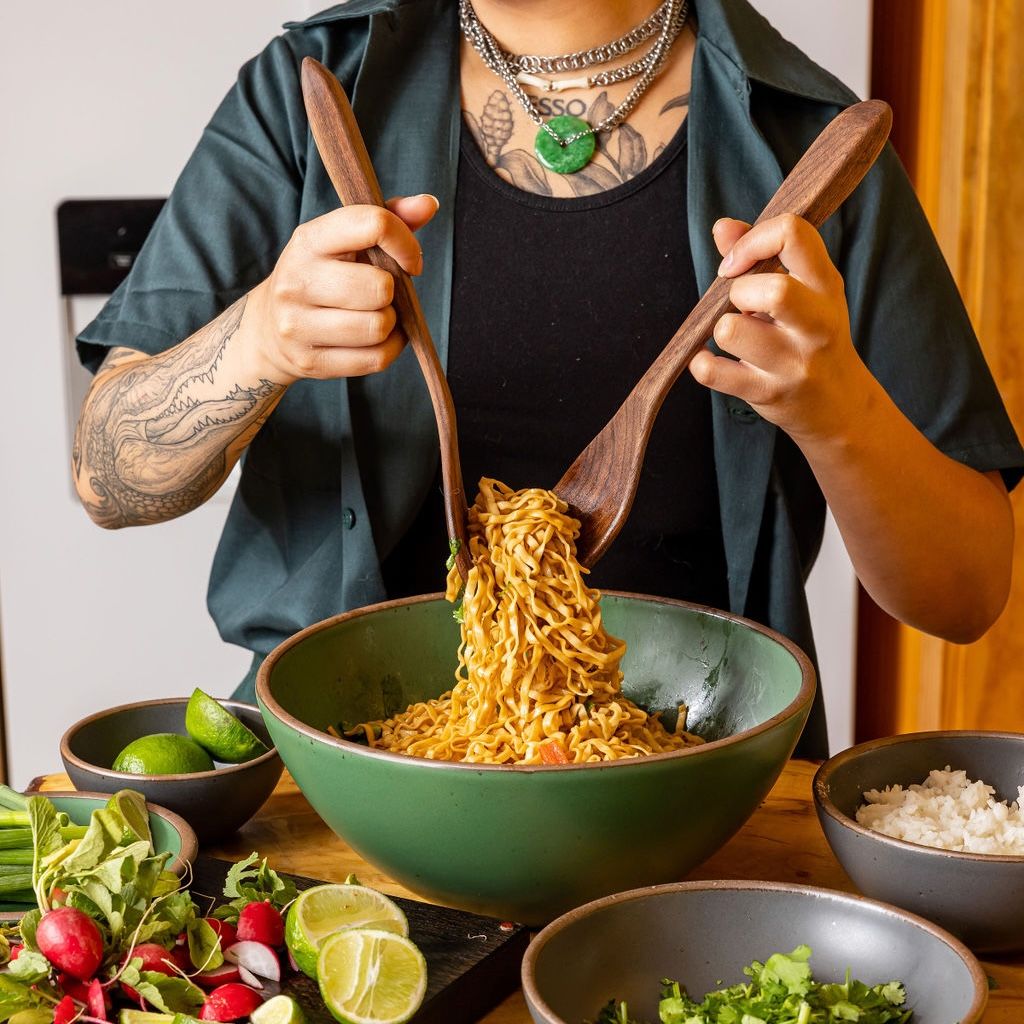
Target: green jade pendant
564	159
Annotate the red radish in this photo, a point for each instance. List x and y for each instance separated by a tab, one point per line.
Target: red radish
218	976
71	941
58	897
78	990
154	958
65	1011
230	1002
256	957
15	952
261	922
225	931
96	1000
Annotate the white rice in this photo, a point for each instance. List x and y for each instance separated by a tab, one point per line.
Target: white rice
948	811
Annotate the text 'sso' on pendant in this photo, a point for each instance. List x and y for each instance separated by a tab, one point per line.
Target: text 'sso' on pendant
560	157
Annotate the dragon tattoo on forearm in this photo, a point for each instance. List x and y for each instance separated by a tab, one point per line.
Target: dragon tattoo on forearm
157	436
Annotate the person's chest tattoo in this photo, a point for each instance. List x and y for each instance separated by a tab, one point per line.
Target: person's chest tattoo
504	134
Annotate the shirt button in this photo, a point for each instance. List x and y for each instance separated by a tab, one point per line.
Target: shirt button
348	518
743	413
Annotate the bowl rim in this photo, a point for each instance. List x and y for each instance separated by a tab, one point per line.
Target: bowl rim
68	755
189	841
823	801
803	698
970	961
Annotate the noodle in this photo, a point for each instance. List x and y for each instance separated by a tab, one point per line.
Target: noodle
538	678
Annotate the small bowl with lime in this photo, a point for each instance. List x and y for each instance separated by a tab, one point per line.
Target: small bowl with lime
211	761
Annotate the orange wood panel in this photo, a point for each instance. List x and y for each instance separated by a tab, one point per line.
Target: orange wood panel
951	69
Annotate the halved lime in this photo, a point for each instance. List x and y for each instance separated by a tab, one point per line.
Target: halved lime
326	909
370	976
219	731
162	753
278	1010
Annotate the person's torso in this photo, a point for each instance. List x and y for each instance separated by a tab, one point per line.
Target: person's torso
558	307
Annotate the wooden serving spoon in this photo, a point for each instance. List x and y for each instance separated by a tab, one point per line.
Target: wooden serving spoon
343	152
600	485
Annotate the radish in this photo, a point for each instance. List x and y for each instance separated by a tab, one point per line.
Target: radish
225	931
248	978
65	1011
218	976
154	958
96	1000
261	922
230	1002
15	952
71	941
256	957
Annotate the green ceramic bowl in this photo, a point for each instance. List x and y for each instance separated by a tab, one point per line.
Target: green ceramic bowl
527	843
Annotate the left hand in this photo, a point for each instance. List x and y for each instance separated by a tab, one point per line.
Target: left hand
794	363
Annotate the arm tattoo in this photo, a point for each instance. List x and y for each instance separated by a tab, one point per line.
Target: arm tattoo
620	155
158	435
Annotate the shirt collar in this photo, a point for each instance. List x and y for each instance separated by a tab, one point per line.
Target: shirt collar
743	36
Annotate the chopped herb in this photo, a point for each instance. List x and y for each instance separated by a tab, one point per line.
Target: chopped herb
454	546
780	991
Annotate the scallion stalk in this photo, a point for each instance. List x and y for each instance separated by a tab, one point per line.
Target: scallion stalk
13	819
16	884
8	857
11	799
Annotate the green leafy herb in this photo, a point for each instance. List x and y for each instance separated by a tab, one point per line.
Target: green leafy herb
454	546
252	881
17	997
169	993
780	991
459	613
30	967
204	945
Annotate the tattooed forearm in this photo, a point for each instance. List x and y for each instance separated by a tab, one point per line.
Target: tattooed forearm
158	435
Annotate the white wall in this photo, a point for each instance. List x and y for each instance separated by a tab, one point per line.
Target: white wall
836	34
109	103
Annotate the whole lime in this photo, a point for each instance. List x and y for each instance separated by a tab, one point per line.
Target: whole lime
220	732
162	753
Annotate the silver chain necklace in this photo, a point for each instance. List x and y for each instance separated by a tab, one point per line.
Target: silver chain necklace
565	144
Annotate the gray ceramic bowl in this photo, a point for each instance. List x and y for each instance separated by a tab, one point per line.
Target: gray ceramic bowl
214	803
702	934
979	898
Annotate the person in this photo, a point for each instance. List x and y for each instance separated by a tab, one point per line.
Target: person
249	325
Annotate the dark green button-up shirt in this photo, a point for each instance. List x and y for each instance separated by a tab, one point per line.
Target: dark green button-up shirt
338	472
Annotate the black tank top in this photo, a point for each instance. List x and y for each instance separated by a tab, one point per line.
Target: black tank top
558	307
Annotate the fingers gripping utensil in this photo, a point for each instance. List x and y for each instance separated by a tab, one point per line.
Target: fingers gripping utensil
600	485
343	152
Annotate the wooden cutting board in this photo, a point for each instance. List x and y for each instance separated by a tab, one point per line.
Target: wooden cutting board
472	962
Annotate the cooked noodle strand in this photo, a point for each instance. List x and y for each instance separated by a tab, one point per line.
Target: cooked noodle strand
538	678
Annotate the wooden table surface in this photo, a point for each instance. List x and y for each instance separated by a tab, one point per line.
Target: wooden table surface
782	842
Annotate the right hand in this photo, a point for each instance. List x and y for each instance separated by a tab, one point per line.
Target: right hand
320	314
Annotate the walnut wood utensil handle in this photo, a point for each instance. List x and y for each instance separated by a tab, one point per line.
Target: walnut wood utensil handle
344	154
601	483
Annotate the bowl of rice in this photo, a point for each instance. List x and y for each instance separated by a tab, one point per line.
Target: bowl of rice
934	822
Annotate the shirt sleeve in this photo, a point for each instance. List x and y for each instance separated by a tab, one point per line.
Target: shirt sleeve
230	213
912	330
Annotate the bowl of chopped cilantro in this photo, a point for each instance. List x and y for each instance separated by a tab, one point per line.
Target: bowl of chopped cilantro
751	952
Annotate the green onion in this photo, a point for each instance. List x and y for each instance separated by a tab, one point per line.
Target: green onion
8	857
13	819
17	884
21	838
12	800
